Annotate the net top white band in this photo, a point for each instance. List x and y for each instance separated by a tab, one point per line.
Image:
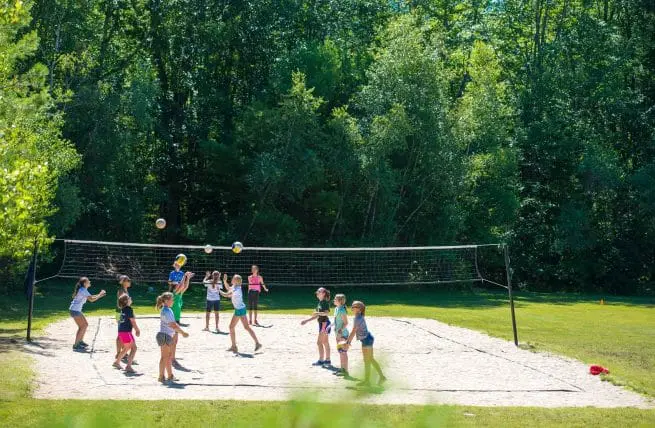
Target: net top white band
201	247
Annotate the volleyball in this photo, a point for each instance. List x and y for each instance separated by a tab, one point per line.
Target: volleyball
237	247
160	223
208	249
180	259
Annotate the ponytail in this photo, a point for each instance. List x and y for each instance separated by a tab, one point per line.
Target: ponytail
327	294
163	298
79	284
216	277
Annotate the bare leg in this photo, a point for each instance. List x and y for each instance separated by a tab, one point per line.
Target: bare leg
233	338
249	329
319	343
82	325
215	316
207	320
169	361
377	368
124	350
174	347
130	358
119	346
164	360
326	345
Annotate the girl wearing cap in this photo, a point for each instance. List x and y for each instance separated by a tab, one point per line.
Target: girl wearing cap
322	313
361	331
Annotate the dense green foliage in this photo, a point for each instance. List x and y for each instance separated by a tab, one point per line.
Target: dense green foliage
352	122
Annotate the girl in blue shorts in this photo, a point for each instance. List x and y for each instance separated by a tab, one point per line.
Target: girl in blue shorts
361	331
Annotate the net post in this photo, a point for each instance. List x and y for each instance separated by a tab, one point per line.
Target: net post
31	275
509	290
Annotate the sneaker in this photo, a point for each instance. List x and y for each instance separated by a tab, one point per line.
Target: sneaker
161	379
364	384
172	379
341	373
117	366
327	363
258	347
382	380
232	349
78	347
126	360
83	344
318	363
205	329
129	370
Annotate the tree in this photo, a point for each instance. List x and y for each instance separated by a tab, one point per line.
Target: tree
33	154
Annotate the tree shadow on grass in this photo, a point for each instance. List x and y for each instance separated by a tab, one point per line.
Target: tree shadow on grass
39	346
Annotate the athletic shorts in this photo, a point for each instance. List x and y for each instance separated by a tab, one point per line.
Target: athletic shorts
325	327
213	305
367	342
240	312
76	313
125	337
164	339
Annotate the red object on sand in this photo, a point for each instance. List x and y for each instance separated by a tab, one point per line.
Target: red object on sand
596	370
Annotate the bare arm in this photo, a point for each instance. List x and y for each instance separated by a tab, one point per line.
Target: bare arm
135	327
96	296
309	319
175	326
263	286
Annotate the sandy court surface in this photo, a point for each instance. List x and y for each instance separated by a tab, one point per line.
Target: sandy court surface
426	362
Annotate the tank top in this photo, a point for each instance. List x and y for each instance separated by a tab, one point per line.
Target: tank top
254	283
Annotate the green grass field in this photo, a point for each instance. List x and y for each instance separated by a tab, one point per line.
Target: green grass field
619	335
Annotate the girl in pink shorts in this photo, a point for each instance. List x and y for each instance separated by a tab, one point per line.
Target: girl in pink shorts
126	323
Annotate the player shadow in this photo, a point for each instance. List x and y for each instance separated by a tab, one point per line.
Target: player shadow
263	325
132	374
222	333
366	390
244	355
181	368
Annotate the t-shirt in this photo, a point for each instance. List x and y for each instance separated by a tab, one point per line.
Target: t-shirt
177	306
165	317
255	283
79	300
339	311
323	306
361	330
124	323
176	276
237	297
212	293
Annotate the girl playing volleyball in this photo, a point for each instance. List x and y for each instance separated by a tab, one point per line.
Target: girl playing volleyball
176	307
362	333
255	285
126	324
235	292
213	283
322	313
80	296
167	329
124	283
341	331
